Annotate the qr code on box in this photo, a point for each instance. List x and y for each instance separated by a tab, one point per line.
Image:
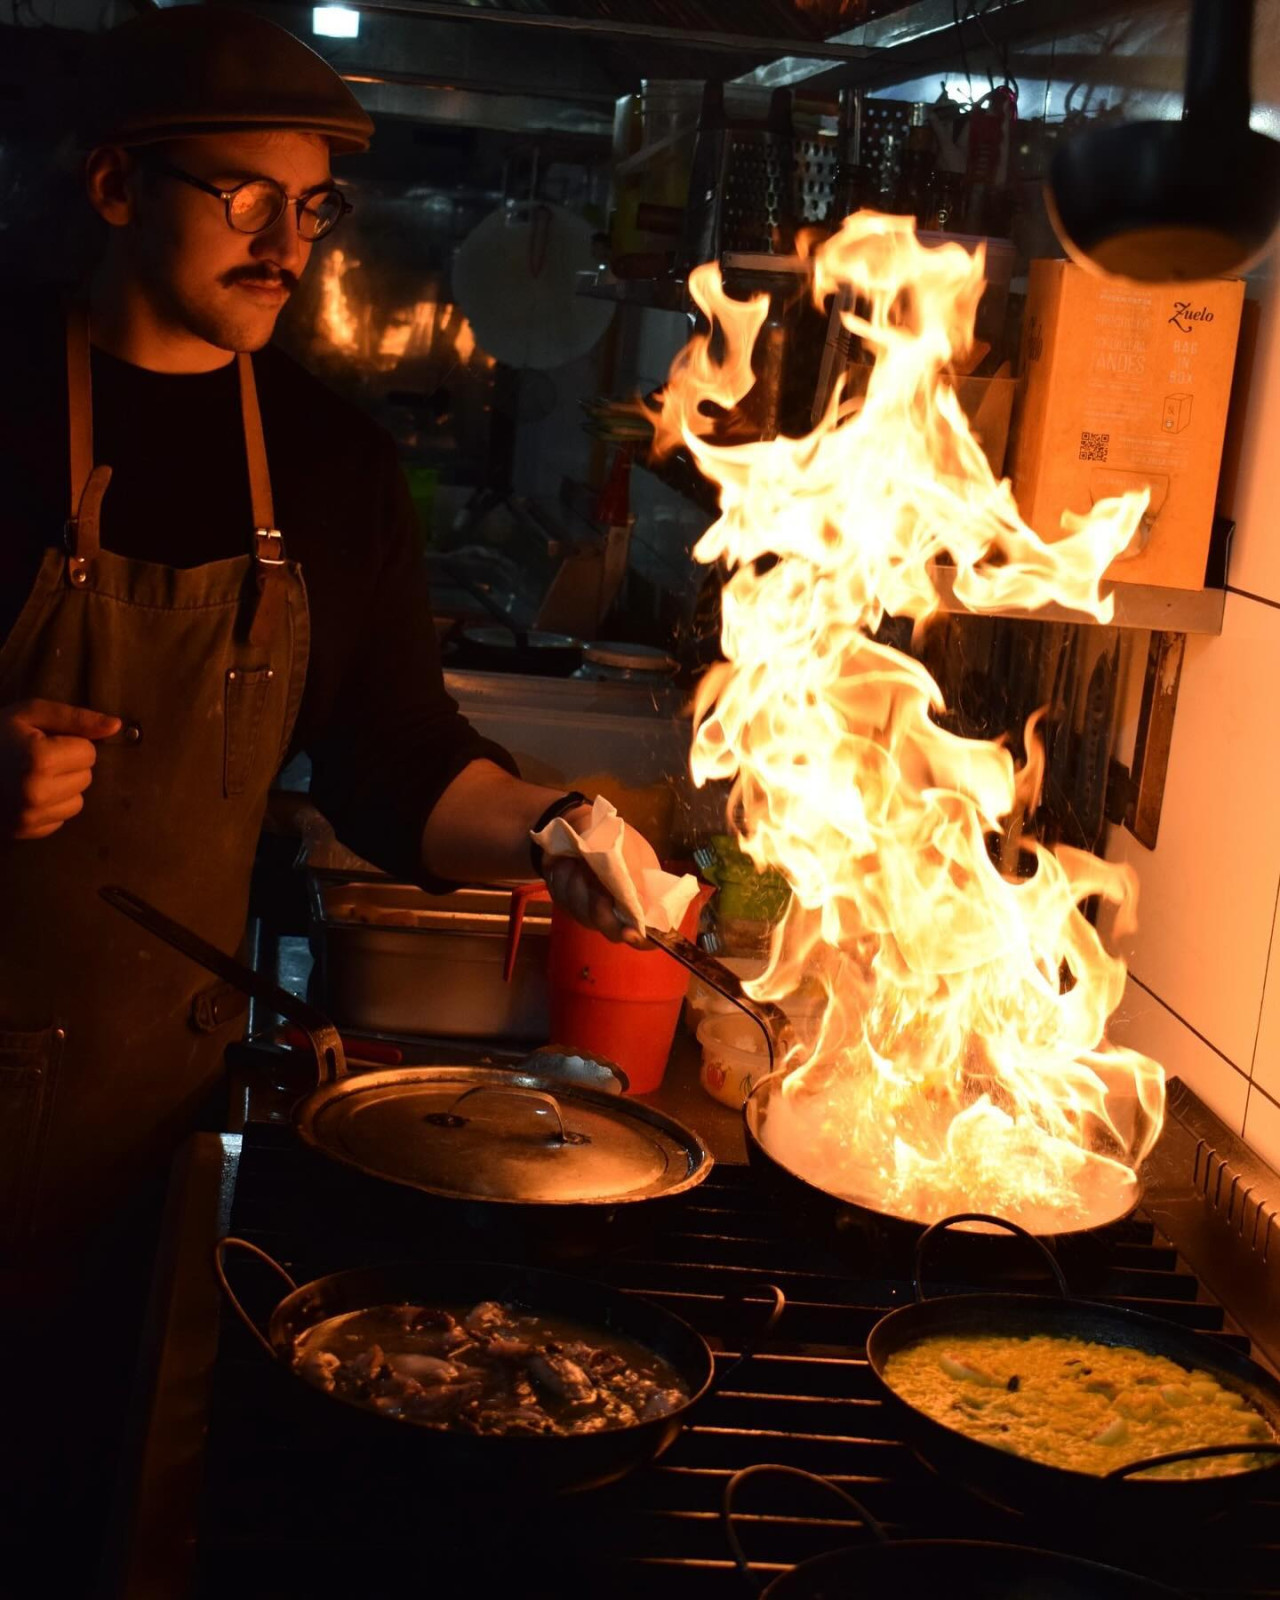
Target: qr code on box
1093	446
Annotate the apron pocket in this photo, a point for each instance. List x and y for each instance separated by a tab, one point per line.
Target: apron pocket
28	1072
246	699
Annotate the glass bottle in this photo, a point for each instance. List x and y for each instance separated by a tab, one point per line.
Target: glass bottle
918	172
851	188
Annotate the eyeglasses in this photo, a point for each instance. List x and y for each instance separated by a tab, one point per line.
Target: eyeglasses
259	203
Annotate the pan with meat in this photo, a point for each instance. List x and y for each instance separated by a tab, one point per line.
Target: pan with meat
480	1372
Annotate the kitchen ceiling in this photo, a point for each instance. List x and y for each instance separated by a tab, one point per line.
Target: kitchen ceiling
593	50
624	41
794	20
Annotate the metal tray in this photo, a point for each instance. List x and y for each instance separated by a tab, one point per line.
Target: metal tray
436	969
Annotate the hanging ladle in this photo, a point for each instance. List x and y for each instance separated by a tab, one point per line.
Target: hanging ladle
1169	201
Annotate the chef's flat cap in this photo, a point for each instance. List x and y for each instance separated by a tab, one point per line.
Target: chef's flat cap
192	69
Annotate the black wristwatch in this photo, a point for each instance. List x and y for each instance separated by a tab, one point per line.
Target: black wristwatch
557	808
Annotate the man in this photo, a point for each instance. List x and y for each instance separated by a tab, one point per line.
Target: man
206	560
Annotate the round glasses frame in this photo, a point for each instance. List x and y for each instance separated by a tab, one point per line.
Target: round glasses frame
312	225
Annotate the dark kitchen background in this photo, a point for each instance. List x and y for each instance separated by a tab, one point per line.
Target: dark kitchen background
513	278
552	144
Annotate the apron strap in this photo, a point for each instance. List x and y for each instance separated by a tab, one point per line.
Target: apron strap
268	546
255	449
88	483
79	399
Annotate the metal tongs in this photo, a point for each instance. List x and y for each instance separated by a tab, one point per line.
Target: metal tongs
770	1019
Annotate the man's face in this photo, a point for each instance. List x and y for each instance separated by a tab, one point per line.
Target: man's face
223	286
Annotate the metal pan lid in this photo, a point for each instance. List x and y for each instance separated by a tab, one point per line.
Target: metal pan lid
490	1134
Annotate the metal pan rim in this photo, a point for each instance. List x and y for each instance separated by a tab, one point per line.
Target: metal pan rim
1068	1477
501	1440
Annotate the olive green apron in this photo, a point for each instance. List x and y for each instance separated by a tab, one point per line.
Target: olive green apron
110	1042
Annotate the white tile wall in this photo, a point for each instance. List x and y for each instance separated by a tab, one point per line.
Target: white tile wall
1208	942
1144	1023
1208	892
1252	481
1266	1056
1262	1127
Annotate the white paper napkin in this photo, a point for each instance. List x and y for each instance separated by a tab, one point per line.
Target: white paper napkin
625	862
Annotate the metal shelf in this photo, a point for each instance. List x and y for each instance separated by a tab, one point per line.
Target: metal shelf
672	294
917	38
654	294
1138	605
1141	606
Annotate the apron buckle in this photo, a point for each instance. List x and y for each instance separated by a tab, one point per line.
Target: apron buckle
77	565
268	547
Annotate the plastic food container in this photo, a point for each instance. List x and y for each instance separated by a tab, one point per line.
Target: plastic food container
733	1057
701	1002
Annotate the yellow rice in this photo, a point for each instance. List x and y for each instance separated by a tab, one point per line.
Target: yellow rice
1075	1404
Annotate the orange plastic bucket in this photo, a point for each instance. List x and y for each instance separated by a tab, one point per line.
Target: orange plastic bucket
609	1000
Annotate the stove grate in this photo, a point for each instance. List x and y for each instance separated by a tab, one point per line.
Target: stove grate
280	1518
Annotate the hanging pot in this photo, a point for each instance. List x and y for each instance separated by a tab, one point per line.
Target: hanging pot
1162	201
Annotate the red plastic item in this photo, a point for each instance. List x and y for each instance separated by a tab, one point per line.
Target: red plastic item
609	999
520	899
612	1001
613	504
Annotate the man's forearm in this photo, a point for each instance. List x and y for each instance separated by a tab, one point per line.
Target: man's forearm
478	831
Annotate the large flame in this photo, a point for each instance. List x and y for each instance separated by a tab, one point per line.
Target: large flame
961	1061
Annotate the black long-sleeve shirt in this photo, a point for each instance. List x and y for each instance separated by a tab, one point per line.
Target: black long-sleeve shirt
384	737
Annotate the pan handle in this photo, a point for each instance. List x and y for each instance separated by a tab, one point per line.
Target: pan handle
753	1341
922	1243
771	1020
326	1046
873	1526
220	1270
562	1135
1200	1453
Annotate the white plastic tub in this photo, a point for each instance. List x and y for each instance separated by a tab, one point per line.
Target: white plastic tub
734	1057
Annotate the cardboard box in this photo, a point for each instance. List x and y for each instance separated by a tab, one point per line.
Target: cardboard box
1125	386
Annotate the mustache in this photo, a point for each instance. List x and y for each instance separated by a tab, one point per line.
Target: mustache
272	277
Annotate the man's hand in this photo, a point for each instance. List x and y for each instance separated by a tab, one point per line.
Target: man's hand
478	832
576	888
47	754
